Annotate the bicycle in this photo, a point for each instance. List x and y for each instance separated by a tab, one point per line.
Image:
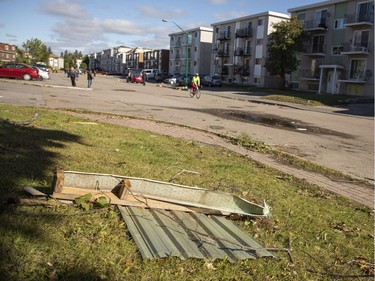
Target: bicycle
194	91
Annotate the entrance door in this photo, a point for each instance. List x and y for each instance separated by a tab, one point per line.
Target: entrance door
330	82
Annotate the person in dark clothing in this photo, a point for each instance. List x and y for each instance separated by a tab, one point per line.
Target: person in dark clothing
144	77
89	79
72	76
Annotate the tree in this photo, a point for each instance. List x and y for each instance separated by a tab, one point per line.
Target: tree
284	43
36	51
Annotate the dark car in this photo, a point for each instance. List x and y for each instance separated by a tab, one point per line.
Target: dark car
181	82
18	70
159	77
210	81
175	79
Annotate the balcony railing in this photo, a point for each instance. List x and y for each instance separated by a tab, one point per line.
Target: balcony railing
223	35
315	24
309	74
223	53
353	20
238	52
357	49
245	32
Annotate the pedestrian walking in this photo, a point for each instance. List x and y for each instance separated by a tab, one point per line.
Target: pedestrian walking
144	77
89	79
72	76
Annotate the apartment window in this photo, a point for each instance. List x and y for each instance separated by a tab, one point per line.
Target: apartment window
360	38
339	23
260	22
259	41
320	18
13	48
318	44
258	61
6	47
315	70
365	12
301	17
357	69
195	49
336	50
196	34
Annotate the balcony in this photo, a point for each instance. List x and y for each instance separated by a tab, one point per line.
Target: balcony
238	52
247	52
243	33
354	21
315	25
308	74
223	36
356	50
223	53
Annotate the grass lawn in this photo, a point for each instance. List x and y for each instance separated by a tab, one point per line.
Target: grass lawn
331	236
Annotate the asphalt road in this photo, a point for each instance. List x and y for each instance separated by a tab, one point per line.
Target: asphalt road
338	138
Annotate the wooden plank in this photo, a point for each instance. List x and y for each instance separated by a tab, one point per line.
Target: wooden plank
58	181
34	192
71	193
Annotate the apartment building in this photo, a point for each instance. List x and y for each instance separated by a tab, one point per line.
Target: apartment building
189	51
339	58
239	49
157	59
56	61
8	52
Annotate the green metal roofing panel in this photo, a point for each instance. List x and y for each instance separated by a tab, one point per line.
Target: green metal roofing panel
161	233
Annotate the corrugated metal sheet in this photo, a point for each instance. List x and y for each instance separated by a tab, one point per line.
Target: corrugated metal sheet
160	233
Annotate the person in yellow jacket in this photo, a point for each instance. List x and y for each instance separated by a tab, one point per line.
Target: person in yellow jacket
196	81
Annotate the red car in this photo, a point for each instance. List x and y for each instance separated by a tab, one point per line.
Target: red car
18	70
136	77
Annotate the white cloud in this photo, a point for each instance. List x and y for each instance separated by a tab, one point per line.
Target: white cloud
62	8
153	12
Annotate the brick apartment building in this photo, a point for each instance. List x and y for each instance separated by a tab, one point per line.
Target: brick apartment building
8	52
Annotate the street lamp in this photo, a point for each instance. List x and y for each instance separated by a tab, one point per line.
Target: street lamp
187	39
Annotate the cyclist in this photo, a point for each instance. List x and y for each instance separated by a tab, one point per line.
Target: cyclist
195	82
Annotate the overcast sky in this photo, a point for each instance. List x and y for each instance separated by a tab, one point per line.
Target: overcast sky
94	25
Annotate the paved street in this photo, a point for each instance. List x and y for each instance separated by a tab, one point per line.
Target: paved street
338	138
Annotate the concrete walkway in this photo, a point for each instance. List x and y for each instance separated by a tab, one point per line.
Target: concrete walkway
358	193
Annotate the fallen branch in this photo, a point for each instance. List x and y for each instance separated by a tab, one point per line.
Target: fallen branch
22	123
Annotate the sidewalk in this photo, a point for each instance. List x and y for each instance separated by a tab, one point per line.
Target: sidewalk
362	195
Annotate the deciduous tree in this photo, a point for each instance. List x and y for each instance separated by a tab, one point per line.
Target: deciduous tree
284	43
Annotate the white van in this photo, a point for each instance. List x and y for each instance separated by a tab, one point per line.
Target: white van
150	73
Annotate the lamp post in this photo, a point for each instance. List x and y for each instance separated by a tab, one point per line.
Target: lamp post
187	39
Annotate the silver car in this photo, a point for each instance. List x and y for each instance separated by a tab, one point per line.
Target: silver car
210	81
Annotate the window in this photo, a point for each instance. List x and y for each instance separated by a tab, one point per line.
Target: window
260	22
6	47
365	12
301	17
315	70
339	23
357	69
360	38
336	50
318	44
259	41
258	61
320	18
256	80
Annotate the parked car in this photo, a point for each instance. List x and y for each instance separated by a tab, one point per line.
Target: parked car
210	81
44	74
42	66
175	79
181	82
18	70
150	73
159	77
136	77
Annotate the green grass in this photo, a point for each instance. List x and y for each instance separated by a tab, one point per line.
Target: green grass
330	234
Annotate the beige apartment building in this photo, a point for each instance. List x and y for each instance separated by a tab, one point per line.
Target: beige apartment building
239	49
189	51
339	58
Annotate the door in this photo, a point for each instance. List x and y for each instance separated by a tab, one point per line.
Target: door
330	82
